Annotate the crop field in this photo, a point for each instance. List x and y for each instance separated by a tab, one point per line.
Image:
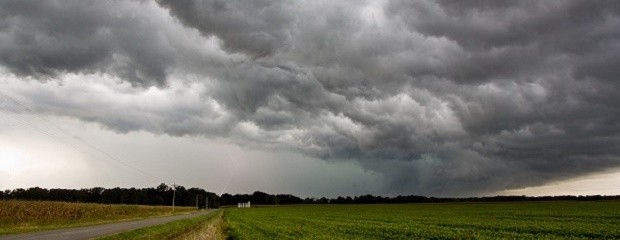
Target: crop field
520	220
25	216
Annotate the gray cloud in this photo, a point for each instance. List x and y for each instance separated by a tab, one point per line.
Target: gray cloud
254	27
440	97
45	39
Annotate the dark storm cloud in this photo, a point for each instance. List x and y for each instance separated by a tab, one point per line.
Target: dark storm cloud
506	38
254	27
440	97
48	38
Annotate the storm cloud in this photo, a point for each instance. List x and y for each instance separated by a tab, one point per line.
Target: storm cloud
439	97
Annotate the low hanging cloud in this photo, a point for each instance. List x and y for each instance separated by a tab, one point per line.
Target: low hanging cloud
440	97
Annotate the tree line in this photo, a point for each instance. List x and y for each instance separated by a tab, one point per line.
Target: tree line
163	194
160	195
260	198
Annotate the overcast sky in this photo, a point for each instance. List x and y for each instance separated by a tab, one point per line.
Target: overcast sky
315	98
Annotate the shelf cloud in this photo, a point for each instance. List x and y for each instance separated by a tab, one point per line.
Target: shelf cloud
439	97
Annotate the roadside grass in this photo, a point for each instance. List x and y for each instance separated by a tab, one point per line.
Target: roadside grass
509	220
29	216
213	229
201	227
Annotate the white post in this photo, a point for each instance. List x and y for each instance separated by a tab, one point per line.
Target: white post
174	194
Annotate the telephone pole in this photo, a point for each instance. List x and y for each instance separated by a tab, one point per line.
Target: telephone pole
207	202
196	201
174	194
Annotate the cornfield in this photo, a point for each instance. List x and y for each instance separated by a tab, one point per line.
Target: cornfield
20	216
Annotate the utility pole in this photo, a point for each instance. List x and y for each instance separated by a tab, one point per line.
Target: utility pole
207	202
196	201
174	194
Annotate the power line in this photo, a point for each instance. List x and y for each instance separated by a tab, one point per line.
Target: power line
57	138
91	146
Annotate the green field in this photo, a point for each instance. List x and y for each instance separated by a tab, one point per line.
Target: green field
522	220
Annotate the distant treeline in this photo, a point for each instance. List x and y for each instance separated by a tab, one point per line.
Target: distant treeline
162	195
260	198
370	199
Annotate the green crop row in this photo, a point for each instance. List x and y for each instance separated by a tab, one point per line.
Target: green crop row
544	220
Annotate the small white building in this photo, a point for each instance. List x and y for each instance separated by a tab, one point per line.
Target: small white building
243	205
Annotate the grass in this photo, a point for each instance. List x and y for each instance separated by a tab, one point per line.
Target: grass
522	220
28	216
201	227
212	229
